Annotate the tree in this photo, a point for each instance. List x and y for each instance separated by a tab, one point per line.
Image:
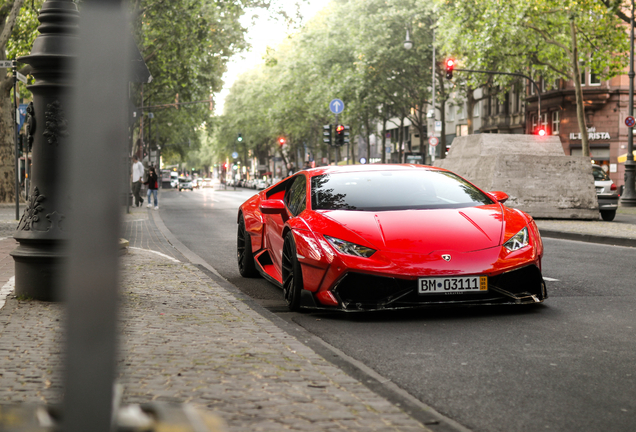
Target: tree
17	32
547	38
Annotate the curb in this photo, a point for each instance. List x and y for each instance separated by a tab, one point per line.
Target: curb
589	238
418	410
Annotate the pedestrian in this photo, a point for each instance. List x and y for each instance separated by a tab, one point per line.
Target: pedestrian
137	180
153	185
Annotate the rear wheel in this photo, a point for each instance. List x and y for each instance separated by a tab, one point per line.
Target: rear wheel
244	254
608	215
292	275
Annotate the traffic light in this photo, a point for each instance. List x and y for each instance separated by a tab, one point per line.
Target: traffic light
541	131
239	138
326	134
339	135
450	64
342	135
281	141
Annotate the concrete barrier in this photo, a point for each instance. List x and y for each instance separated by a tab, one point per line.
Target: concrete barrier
534	171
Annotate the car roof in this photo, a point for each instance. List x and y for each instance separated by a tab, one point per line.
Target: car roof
333	169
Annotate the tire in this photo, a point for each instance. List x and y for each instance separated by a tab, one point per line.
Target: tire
244	253
608	215
292	274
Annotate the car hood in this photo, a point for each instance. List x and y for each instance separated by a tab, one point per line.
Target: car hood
423	231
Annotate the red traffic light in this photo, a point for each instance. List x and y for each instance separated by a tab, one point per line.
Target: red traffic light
339	128
450	64
541	132
281	141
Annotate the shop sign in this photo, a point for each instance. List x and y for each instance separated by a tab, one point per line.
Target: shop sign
591	135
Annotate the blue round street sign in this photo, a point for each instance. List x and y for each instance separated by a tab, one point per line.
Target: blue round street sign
363	160
336	106
234	155
630	122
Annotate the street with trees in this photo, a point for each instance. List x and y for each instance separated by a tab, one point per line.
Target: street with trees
546	39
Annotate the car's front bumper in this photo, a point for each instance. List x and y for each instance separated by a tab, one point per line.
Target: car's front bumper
364	292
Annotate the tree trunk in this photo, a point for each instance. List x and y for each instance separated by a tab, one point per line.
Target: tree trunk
383	138
470	107
368	138
580	108
7	148
401	140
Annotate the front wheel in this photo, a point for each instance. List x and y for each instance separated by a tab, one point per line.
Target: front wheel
292	274
244	253
608	215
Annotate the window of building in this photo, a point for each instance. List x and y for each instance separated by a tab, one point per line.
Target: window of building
543	86
450	114
595	79
582	70
544	121
461	130
476	109
556	120
461	112
534	122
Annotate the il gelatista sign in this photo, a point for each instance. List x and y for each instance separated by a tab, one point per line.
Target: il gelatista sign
591	135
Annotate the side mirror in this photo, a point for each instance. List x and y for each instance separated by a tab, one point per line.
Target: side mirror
499	196
274	207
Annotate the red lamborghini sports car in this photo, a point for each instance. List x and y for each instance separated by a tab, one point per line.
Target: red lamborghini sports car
374	237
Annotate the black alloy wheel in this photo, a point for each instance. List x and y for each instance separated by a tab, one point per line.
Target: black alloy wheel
244	254
292	274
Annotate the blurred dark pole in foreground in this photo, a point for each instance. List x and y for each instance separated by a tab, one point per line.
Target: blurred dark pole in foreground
98	145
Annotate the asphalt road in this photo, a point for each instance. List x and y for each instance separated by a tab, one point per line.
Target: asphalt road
566	365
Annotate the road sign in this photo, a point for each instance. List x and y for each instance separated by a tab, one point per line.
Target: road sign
433	141
336	106
6	63
234	155
438	126
363	160
22	78
630	121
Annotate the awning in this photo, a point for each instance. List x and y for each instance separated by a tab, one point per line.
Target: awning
623	158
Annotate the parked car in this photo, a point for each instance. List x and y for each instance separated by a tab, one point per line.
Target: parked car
606	192
185	183
377	237
207	183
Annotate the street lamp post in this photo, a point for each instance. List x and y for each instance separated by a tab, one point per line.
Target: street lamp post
628	198
41	231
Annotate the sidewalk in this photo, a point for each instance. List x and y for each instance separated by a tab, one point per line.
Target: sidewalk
186	339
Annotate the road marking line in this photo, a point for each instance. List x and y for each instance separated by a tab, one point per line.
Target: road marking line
155	252
550	279
6	290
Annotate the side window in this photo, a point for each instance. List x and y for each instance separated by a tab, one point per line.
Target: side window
295	197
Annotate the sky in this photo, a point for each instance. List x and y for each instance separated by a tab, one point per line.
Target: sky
265	31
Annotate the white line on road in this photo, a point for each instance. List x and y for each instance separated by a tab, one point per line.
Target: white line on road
6	290
155	252
550	279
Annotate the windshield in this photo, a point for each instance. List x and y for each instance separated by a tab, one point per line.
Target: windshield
599	174
394	190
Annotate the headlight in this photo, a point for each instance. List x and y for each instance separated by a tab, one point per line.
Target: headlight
349	248
518	240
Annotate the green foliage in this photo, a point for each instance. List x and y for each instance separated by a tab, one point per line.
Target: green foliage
517	35
352	50
186	45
